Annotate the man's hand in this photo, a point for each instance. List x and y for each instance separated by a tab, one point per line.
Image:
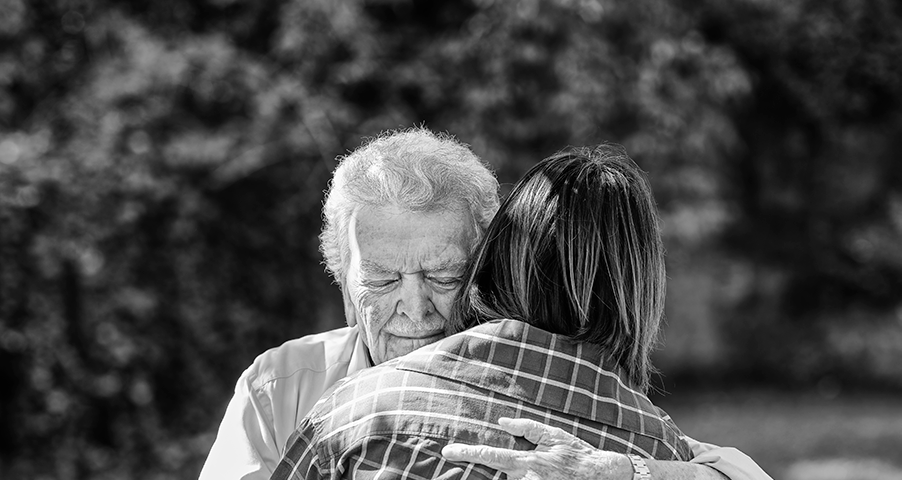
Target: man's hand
558	455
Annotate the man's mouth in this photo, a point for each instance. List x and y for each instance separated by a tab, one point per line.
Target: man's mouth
422	336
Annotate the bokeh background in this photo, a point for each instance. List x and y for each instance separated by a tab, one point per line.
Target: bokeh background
162	165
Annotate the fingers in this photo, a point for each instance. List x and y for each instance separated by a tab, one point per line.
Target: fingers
534	431
492	457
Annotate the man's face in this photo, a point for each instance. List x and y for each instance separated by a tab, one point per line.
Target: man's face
404	273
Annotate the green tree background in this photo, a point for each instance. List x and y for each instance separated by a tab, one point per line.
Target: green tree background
162	167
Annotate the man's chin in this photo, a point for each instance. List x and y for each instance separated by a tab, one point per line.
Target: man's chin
403	345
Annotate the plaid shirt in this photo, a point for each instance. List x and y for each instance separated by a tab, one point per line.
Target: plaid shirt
391	421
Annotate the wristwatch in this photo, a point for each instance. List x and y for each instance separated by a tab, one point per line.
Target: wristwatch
640	469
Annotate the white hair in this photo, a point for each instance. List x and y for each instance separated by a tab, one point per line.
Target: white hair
412	169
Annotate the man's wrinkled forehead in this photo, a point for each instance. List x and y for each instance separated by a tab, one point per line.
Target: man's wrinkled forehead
467	236
468	228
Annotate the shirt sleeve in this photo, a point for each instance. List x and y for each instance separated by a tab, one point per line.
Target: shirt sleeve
301	459
727	460
245	447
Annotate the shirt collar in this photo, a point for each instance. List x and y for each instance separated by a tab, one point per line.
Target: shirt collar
360	357
530	364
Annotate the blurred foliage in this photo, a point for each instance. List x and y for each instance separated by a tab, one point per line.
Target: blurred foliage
162	167
816	435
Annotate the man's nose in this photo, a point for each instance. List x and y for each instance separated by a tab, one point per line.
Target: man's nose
416	299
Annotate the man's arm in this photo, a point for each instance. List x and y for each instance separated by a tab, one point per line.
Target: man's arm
559	455
245	446
730	462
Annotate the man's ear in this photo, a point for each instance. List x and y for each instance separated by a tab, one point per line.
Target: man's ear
353	249
350	311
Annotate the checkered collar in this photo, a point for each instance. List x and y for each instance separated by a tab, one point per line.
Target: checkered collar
530	364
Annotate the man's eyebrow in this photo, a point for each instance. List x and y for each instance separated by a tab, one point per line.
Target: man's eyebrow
449	266
371	267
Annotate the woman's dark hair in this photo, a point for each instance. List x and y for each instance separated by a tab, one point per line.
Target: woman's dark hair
576	250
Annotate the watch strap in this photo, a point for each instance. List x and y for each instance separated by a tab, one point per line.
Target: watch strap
640	468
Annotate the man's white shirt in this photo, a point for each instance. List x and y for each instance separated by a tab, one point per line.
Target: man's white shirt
272	397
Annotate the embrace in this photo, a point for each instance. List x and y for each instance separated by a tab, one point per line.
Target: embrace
483	339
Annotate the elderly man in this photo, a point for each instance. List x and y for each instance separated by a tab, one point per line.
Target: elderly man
401	216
